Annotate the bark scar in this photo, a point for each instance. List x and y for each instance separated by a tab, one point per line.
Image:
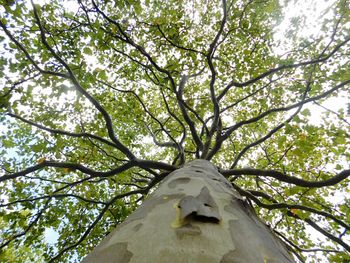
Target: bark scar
200	208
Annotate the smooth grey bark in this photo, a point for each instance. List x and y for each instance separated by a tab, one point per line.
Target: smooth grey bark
194	216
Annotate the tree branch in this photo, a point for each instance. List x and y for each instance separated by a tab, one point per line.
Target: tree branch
96	221
280	68
214	100
28	228
176	45
233	128
287	178
73	166
307	220
27	55
57	131
304	249
106	116
187	118
277	205
57	196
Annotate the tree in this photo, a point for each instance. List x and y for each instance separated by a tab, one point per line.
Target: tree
104	100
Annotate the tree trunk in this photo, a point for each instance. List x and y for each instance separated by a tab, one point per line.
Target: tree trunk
194	216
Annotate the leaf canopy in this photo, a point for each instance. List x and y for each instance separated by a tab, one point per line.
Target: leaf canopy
100	100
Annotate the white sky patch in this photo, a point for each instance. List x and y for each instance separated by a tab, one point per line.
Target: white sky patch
334	104
51	235
72	6
312	12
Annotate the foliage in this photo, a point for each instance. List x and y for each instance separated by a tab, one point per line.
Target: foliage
103	99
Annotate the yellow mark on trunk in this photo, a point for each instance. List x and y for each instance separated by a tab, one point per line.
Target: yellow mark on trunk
178	222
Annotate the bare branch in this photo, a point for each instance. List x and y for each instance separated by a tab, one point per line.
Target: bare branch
307	220
181	150
173	143
233	128
333	112
98	106
287	178
95	222
57	196
56	131
327	234
187	118
277	205
74	166
29	227
17	83
176	45
304	249
281	68
214	100
141	49
26	53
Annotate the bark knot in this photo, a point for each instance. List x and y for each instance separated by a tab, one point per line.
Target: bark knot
200	208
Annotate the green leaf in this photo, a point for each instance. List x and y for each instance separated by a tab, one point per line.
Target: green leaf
37	148
25	212
8	143
338	167
87	51
306	112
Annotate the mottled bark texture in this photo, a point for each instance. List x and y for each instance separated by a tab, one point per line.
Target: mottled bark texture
194	216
